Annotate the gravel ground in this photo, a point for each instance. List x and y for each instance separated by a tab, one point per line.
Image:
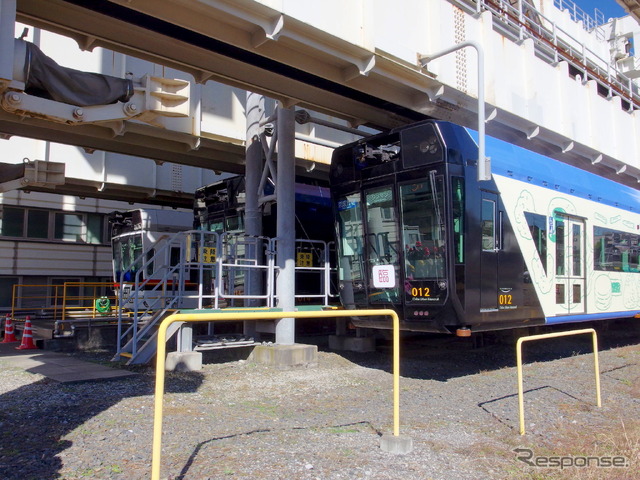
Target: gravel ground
236	419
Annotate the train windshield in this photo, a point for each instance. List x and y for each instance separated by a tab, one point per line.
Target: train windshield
232	224
386	226
423	230
126	250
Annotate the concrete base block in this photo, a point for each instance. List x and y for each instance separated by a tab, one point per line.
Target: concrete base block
285	356
400	445
183	362
352	344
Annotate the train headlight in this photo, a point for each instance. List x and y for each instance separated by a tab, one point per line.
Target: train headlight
442	284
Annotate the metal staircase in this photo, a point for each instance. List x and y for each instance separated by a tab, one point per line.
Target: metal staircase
157	290
212	272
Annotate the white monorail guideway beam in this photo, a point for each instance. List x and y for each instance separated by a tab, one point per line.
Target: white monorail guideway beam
371	79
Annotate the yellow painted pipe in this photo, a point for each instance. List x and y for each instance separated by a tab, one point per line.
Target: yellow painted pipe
259	315
554	335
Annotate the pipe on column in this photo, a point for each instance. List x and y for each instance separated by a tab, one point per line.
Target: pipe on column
255	114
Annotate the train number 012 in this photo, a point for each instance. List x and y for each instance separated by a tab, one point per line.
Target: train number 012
420	292
505	299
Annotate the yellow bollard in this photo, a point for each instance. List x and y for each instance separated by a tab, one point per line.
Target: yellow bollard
259	315
554	335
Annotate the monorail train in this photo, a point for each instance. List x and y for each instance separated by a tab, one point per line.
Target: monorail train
143	231
542	242
219	207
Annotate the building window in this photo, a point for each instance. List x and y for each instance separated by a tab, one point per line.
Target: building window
12	222
95	228
68	226
38	224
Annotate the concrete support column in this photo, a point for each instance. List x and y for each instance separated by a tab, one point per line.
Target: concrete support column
255	114
285	189
185	338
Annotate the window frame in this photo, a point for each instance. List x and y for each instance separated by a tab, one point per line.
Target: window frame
83	238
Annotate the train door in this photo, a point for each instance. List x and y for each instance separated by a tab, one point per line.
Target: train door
569	264
489	253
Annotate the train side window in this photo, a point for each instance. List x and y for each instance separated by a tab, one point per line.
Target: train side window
458	218
614	250
175	256
150	254
577	250
560	246
488	225
538	228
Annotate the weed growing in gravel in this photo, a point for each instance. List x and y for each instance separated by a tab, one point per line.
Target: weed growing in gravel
87	473
589	442
339	430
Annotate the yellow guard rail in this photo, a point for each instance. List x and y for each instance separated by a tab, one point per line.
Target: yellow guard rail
553	335
258	315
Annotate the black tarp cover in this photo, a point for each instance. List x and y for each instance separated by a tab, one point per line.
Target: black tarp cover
46	79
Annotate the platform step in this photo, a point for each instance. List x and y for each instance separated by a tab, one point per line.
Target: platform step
223	341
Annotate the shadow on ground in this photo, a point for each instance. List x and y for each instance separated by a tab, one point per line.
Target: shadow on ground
30	442
442	357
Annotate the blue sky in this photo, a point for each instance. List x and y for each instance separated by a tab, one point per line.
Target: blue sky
610	8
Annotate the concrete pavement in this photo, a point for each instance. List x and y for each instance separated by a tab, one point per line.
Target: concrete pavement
58	366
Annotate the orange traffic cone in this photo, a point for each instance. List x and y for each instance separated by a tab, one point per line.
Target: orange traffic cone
9	332
27	336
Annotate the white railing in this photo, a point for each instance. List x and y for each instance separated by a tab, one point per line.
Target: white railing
522	20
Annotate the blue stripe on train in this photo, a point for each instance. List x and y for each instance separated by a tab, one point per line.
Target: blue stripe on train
588	317
512	161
